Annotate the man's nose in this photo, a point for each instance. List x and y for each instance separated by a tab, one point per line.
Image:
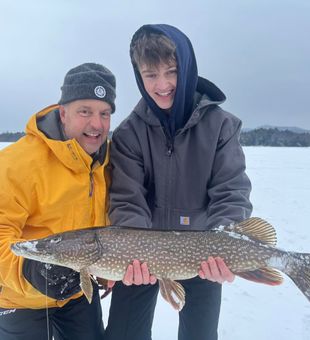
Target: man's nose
96	121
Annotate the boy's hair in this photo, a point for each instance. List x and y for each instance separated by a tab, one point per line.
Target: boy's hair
151	49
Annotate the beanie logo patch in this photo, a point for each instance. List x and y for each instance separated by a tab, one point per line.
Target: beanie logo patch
100	91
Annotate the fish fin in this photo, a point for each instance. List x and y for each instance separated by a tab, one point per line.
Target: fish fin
299	272
173	292
266	275
86	284
255	228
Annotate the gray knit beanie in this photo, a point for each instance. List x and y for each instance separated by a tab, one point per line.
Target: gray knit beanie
89	81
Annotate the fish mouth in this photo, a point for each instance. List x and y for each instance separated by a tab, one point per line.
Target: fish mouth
25	249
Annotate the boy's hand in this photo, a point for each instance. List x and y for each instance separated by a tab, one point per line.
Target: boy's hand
215	269
138	274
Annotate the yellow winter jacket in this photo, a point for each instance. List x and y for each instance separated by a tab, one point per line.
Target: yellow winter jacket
46	186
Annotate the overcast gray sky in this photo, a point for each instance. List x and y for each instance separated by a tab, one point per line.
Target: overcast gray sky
256	51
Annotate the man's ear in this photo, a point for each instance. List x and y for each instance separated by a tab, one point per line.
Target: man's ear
62	113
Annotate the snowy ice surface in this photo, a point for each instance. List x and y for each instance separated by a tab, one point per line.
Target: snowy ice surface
280	194
281	190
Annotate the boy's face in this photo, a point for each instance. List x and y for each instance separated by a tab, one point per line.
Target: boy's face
88	121
160	83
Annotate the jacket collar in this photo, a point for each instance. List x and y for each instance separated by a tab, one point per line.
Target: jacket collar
46	126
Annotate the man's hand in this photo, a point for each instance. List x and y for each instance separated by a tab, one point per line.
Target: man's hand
104	283
138	274
215	269
55	281
110	284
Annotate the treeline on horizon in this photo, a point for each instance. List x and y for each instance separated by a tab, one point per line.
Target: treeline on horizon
274	137
256	137
11	136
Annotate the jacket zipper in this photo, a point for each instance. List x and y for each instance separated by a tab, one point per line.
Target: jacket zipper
169	153
91	178
91	184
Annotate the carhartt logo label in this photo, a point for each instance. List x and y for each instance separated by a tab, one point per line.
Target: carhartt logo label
7	311
100	91
184	220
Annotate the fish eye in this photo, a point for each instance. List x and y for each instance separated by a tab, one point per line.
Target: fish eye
55	239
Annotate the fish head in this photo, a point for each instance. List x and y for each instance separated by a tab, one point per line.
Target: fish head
74	249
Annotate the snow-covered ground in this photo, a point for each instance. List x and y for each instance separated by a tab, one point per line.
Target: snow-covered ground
281	191
3	145
280	194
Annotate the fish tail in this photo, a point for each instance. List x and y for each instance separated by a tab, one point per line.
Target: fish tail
299	272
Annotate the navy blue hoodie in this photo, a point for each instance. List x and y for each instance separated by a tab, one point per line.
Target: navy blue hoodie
187	78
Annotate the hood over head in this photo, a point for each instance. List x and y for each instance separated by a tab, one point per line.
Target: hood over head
187	78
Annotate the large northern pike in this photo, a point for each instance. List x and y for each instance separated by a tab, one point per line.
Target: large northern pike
248	248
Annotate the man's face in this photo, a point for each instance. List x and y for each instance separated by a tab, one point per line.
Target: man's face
160	83
88	121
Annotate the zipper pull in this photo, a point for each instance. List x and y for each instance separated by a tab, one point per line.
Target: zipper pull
169	141
169	149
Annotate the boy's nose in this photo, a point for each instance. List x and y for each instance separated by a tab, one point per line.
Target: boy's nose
162	83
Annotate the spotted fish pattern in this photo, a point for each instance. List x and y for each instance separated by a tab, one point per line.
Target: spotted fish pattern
248	248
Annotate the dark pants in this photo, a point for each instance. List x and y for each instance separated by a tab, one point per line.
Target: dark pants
132	311
77	320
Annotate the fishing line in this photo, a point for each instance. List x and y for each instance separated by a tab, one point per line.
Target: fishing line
46	306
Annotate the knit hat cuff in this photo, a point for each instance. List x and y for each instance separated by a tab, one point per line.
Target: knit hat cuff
88	91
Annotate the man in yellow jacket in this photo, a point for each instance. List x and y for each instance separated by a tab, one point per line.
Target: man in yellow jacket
52	180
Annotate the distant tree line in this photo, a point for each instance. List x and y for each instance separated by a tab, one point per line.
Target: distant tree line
257	137
11	136
274	137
